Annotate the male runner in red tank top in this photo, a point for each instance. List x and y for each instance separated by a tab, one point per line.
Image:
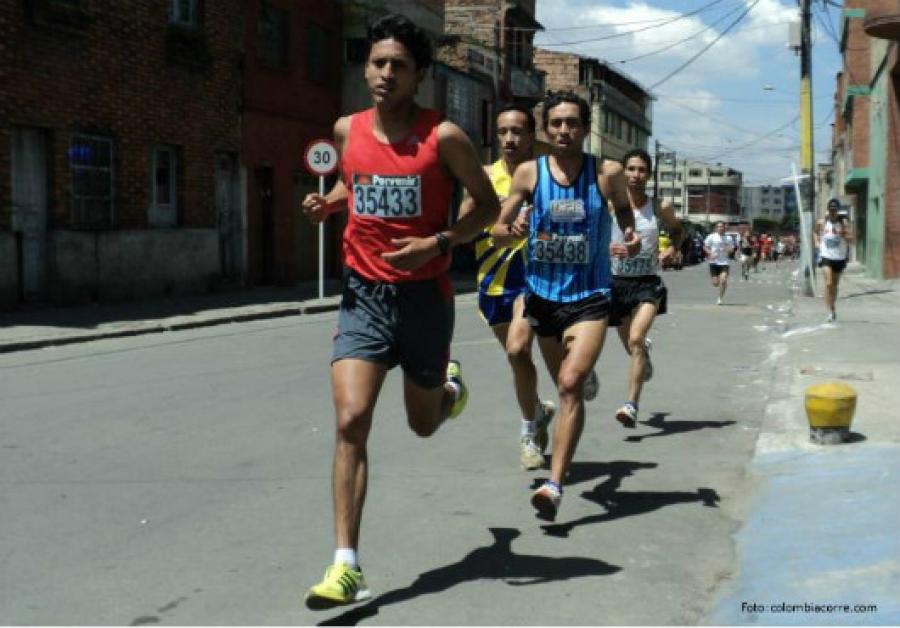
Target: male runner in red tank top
398	162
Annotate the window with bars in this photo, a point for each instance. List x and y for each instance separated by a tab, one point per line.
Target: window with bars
272	35
183	12
91	164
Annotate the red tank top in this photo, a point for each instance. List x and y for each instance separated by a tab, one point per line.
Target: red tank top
395	191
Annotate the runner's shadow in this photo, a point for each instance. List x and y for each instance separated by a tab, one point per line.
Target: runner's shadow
586	471
496	561
620	504
865	293
667	428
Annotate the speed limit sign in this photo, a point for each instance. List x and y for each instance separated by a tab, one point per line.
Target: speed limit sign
321	157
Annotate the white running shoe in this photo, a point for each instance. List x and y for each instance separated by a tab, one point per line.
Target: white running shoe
627	415
546	501
530	455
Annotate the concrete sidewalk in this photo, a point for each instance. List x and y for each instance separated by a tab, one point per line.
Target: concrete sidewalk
820	544
38	327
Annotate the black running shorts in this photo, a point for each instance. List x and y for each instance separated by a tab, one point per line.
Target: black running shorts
549	318
629	292
408	323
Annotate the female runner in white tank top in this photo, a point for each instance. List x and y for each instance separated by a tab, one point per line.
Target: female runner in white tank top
832	237
638	293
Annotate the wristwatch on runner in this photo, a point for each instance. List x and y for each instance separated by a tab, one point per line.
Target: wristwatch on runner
443	243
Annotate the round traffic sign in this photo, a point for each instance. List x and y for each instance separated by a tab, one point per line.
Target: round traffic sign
321	157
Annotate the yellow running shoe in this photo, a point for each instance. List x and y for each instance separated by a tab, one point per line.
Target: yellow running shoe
341	585
454	374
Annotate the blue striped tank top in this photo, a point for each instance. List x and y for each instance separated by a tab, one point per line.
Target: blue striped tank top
568	239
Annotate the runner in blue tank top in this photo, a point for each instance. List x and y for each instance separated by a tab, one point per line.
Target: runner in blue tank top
568	267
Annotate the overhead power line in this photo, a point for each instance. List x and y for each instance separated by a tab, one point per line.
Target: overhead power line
705	48
757	140
681	41
637	30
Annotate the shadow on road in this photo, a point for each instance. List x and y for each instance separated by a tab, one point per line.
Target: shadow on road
667	428
496	561
587	471
620	504
865	293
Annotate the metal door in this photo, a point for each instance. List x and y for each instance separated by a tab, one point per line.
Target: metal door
29	207
228	216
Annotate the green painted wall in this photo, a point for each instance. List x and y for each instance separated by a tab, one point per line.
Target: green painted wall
878	132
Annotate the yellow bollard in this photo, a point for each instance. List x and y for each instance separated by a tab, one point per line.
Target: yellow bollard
829	410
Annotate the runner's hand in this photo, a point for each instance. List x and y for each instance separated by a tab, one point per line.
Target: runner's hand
668	254
632	242
316	208
411	253
520	225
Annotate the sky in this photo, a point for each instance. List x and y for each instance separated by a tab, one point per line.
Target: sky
738	103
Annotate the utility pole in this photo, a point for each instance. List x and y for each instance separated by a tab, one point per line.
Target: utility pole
806	137
708	219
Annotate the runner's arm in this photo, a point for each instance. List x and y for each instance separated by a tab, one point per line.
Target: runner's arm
468	203
815	233
847	232
512	224
317	207
612	183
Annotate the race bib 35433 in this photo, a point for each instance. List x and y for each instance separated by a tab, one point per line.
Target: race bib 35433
387	196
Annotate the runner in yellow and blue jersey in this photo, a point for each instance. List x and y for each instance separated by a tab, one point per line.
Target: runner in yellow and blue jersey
501	284
568	262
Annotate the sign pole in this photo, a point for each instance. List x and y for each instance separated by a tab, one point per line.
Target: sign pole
321	159
322	245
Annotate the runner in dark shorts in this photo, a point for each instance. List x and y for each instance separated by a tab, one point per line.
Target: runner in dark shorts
638	292
399	165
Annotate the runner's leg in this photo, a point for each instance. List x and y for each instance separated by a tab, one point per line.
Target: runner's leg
355	387
582	344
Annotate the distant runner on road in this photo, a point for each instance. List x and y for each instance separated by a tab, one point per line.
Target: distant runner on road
832	240
718	246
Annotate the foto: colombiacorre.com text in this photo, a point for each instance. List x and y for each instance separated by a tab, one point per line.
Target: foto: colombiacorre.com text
807	607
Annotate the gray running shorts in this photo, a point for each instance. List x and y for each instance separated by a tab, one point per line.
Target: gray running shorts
407	323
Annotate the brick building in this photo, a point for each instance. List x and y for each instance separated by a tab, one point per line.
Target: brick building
117	121
291	96
486	58
866	134
621	116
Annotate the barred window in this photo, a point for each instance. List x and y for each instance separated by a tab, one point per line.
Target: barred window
91	162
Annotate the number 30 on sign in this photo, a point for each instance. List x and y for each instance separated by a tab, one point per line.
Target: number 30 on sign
320	157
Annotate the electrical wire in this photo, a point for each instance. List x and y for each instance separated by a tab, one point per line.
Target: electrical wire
757	140
639	30
705	48
681	41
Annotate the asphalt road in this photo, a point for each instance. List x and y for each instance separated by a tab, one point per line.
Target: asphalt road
184	478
